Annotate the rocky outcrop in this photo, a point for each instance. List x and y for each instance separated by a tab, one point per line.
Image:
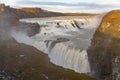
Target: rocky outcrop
104	52
8	23
12	12
29	28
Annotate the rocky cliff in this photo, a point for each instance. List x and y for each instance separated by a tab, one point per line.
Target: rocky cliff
13	13
104	55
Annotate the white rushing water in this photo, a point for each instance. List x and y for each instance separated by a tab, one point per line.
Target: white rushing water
64	39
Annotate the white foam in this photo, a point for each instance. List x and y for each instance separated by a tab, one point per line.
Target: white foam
70	57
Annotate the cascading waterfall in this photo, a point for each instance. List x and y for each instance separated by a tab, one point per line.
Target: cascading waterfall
70	57
64	39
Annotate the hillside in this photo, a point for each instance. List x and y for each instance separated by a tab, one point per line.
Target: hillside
27	12
38	12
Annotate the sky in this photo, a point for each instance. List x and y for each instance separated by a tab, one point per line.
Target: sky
73	6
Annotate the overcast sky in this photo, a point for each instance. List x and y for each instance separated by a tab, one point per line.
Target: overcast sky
81	6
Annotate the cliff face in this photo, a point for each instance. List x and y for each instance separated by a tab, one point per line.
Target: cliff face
104	55
12	12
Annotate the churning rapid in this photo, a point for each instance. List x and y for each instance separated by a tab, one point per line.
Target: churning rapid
64	39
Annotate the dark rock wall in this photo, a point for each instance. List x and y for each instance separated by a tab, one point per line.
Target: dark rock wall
104	55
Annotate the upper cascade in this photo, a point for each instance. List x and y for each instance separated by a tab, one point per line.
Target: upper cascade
70	22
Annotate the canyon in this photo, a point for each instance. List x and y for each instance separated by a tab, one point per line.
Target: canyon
58	46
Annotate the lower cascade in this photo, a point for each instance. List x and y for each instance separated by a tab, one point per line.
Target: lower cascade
70	57
65	40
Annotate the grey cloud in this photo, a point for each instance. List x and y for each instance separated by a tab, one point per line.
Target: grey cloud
83	4
44	3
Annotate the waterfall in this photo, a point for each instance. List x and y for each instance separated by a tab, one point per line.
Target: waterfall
64	39
70	57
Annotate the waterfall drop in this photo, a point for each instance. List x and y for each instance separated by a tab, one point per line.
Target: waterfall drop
64	39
